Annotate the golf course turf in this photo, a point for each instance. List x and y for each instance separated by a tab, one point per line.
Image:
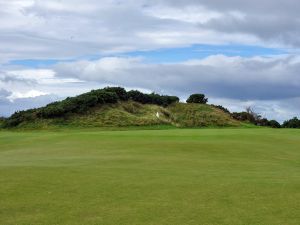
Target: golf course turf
153	177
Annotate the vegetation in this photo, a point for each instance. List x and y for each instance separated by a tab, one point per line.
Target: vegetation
153	98
83	103
197	98
2	119
169	177
255	118
293	123
273	124
200	115
222	108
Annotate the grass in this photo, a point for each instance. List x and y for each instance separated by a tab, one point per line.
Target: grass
200	115
153	177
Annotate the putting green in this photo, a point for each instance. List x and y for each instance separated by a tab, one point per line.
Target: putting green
155	177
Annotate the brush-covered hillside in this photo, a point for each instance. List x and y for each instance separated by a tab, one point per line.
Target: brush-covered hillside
115	107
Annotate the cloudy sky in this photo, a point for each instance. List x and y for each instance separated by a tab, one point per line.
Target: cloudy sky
239	53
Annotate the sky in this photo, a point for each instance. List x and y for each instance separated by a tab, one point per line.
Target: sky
238	53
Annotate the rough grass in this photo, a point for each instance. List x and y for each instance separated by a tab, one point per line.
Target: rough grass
160	177
200	115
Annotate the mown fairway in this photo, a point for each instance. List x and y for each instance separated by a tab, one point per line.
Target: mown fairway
174	177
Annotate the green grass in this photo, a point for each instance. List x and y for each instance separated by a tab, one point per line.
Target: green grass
154	177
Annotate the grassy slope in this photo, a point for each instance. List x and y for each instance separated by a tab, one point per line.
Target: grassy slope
166	177
135	114
198	115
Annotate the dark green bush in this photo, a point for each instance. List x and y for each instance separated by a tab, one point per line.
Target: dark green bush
221	108
138	96
244	116
292	123
121	92
153	98
51	111
19	117
274	124
197	98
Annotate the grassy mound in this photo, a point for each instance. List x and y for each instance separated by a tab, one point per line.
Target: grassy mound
131	113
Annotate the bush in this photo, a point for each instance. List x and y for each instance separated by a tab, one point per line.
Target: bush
51	111
107	97
138	96
84	102
274	124
153	98
221	108
255	119
244	116
197	98
120	92
78	104
2	119
19	117
293	123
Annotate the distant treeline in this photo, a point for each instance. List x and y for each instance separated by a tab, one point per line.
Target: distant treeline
83	102
250	116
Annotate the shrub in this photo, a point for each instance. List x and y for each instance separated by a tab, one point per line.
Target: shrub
138	96
51	111
255	119
121	92
83	102
244	116
292	123
153	98
197	98
221	108
19	117
2	119
107	97
274	124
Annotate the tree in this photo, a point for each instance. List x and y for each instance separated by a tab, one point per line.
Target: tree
197	98
255	115
120	92
293	123
274	124
138	96
153	98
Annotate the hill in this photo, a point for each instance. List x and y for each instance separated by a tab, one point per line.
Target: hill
114	107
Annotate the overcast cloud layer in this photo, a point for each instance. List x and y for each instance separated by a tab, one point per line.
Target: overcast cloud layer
92	41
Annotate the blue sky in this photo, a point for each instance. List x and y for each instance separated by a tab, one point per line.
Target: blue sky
168	55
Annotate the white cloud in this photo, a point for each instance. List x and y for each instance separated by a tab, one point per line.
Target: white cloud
71	28
29	94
